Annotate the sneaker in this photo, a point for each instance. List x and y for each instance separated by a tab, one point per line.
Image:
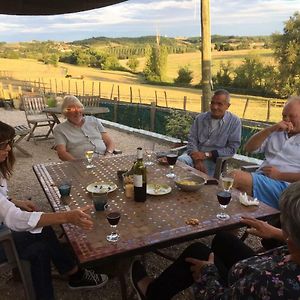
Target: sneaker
89	280
137	273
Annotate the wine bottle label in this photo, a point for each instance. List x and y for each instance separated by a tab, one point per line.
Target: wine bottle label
138	180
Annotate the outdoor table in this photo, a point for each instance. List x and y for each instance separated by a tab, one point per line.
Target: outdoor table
156	223
54	111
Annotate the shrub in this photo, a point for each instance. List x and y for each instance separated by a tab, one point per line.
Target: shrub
185	76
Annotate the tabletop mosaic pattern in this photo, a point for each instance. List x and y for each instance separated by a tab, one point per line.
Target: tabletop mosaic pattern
160	219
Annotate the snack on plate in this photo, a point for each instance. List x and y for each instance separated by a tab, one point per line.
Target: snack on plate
187	182
192	221
243	198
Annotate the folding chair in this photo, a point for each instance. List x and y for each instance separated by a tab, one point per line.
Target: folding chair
33	107
7	242
21	132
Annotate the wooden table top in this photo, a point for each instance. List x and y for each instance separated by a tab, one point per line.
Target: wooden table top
160	221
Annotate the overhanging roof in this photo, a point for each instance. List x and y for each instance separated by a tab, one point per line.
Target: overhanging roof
50	7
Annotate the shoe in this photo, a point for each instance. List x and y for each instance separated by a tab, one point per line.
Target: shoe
137	273
89	280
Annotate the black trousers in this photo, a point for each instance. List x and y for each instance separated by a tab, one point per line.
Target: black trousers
227	249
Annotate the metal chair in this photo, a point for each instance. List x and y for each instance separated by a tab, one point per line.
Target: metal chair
7	242
33	107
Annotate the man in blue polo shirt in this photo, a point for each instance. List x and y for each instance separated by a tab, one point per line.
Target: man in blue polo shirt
213	134
281	145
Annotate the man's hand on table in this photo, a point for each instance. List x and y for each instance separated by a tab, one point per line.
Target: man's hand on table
198	155
25	205
80	218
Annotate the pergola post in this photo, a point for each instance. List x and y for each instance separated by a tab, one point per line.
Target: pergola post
206	55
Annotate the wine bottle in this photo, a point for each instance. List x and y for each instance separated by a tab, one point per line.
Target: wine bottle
139	178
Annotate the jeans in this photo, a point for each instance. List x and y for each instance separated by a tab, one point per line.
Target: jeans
208	163
40	250
228	250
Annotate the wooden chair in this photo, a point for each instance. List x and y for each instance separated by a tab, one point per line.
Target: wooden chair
90	101
21	132
7	242
33	107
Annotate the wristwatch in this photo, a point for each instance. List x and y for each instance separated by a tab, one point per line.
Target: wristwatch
110	151
207	154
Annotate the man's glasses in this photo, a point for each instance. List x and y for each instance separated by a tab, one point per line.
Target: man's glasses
4	144
74	109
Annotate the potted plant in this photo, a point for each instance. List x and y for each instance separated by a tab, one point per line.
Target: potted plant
51	101
178	124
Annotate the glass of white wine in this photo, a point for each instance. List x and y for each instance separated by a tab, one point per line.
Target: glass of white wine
89	154
149	149
227	180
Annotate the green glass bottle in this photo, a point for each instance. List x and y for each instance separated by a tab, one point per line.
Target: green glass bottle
140	178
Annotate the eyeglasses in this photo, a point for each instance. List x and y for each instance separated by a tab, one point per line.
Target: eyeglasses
74	109
4	144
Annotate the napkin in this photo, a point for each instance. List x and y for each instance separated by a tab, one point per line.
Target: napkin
247	202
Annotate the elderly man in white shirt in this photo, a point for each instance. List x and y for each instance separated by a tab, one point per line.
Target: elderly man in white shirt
281	145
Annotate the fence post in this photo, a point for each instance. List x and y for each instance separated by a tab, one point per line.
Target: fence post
166	98
245	108
152	116
130	90
69	86
118	93
92	88
62	86
184	102
50	83
140	98
156	97
269	109
112	91
76	88
116	103
83	89
55	86
99	88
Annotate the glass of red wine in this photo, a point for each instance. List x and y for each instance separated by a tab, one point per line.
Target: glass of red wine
224	199
113	219
172	158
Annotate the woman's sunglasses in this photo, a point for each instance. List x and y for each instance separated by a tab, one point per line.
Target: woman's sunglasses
4	144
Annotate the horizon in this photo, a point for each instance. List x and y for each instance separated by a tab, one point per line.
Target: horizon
128	19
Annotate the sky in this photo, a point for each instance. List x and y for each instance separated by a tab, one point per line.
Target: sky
171	18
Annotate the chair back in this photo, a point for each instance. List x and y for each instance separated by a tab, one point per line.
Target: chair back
33	105
7	242
90	101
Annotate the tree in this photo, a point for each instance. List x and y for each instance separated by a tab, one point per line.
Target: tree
185	76
287	52
133	63
155	69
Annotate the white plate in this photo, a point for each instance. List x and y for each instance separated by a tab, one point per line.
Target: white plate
101	187
158	189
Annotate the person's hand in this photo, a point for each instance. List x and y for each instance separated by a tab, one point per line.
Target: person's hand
260	228
271	172
284	126
25	205
197	265
199	165
80	218
198	155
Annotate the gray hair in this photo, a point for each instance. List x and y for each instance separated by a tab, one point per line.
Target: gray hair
222	92
290	212
294	99
70	100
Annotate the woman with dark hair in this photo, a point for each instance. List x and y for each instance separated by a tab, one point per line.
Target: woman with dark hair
232	270
34	238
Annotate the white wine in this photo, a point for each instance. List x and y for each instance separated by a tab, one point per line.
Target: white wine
139	178
89	155
227	183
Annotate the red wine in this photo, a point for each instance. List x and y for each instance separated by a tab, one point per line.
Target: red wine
224	197
113	218
172	158
140	193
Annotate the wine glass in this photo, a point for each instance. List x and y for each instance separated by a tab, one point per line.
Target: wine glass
172	158
227	180
224	198
149	149
89	154
113	219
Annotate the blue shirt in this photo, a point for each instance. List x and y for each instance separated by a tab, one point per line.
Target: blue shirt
221	141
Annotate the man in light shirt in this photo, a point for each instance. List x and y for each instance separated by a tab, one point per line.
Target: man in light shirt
213	134
281	145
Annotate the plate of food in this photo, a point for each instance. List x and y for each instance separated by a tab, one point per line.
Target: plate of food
156	189
101	187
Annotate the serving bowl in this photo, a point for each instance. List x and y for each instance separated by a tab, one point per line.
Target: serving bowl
190	183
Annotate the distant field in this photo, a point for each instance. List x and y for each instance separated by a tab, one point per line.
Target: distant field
32	70
193	60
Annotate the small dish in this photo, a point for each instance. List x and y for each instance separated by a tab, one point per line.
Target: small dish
162	160
190	183
101	187
158	189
